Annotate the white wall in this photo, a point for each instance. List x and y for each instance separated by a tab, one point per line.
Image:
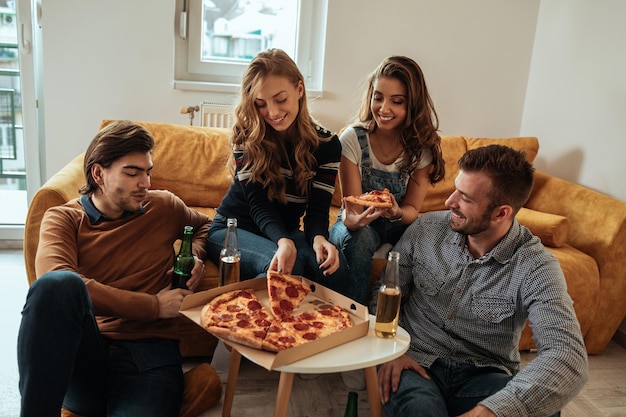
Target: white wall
576	99
113	59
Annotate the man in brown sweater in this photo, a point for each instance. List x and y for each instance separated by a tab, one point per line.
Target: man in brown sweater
99	329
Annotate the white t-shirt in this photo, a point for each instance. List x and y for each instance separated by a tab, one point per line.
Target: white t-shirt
351	149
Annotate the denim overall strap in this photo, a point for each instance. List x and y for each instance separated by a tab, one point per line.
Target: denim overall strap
375	179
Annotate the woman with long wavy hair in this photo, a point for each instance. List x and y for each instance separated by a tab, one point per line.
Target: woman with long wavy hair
394	144
285	168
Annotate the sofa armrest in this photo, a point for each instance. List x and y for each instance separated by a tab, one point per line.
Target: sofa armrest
597	228
59	189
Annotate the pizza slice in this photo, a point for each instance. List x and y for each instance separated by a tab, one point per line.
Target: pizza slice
306	327
237	316
279	338
375	198
285	293
320	323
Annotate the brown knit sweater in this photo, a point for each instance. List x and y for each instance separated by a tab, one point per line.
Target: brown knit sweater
123	262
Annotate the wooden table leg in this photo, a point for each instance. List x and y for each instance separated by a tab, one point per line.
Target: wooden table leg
284	393
233	373
371	382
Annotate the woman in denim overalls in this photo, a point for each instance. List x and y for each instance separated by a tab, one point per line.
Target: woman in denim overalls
394	145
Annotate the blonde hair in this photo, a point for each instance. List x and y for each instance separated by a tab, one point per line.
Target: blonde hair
263	147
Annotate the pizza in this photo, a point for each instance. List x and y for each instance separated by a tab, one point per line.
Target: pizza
239	316
285	293
305	327
375	198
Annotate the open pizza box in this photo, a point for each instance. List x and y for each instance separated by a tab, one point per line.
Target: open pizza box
320	297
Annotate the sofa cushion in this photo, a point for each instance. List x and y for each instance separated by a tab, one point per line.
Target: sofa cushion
530	145
452	147
552	229
200	175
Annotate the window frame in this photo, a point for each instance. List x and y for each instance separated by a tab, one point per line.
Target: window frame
309	50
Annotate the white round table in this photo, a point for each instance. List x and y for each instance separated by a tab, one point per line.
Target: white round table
363	353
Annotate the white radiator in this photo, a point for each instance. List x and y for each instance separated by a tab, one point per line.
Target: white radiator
216	115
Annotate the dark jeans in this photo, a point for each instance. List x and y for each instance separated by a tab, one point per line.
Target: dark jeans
64	360
453	389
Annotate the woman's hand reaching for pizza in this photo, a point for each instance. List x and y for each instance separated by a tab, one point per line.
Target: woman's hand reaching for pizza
355	218
327	255
285	257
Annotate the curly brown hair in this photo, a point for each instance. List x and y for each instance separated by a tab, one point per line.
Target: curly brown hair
421	123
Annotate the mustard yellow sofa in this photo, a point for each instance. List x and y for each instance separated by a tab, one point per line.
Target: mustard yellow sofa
584	229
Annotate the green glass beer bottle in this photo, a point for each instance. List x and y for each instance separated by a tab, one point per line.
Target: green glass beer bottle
351	406
184	262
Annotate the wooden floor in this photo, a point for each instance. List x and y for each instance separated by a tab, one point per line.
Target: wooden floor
603	396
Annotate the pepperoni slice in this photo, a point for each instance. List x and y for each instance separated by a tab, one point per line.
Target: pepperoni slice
245	294
317	324
287	339
233	308
242	316
286	305
307	316
309	336
226	317
254	305
274	290
259	334
262	322
292	291
244	324
301	326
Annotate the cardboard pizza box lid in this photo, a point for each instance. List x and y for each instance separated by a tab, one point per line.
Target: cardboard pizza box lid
319	297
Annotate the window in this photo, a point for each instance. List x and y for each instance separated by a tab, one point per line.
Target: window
216	39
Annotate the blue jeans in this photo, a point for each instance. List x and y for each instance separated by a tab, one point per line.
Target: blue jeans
453	389
257	253
64	360
358	246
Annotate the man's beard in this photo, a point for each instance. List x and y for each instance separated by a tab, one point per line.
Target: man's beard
473	226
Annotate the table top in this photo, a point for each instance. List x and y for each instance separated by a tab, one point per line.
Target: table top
360	353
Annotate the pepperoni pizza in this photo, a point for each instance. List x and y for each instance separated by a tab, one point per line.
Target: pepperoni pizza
239	316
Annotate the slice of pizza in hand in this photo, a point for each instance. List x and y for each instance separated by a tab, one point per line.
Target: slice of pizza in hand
375	198
285	293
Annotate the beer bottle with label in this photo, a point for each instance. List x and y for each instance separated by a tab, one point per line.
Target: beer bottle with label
184	262
351	406
388	304
230	255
